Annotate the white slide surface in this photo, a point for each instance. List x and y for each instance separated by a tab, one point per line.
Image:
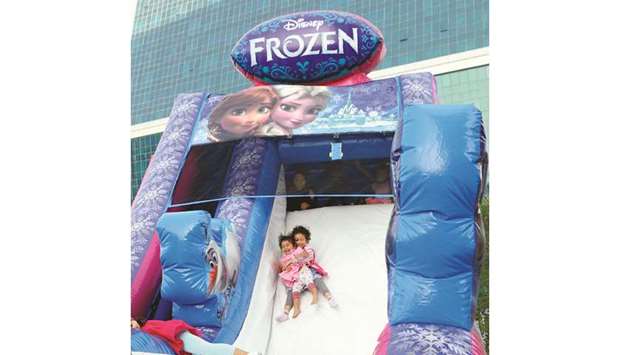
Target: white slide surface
350	245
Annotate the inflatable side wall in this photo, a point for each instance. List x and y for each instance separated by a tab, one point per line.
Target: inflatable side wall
254	171
434	246
153	197
209	264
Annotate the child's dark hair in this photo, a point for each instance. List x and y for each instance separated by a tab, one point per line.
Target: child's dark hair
303	230
284	237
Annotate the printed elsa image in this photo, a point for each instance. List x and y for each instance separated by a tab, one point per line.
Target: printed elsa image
241	115
296	107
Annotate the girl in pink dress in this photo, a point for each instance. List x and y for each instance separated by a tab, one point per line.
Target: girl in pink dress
295	275
302	238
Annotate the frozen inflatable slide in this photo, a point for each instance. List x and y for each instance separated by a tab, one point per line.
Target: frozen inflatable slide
393	210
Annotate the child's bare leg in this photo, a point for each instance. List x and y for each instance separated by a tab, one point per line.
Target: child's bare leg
322	287
320	284
296	304
287	306
314	292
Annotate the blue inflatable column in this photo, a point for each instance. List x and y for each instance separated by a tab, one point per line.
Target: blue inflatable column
188	241
433	246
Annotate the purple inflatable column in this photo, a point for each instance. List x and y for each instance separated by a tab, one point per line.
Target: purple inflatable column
153	197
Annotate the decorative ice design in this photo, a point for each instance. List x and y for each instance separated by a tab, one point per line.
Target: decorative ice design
153	195
242	181
166	164
185	104
157	184
417	88
423	339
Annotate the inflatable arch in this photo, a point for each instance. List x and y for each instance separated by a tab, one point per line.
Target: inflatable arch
210	262
213	202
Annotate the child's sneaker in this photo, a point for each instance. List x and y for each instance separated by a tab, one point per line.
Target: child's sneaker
332	302
282	317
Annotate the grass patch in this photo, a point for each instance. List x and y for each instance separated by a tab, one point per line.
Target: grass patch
483	297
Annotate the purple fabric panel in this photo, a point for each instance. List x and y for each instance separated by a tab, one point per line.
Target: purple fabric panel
159	179
241	180
427	339
418	88
435	95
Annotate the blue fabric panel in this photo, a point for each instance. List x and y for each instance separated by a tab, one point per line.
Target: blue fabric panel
253	246
185	274
164	310
431	247
208	332
145	342
446	299
317	148
205	314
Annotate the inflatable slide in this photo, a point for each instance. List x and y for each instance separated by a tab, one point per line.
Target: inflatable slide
387	181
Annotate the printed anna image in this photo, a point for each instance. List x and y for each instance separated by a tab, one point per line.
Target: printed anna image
241	115
266	111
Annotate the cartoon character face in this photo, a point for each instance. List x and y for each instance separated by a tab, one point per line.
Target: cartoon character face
286	246
245	120
295	111
222	255
300	240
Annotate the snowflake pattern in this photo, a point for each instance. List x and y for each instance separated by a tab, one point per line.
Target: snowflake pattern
184	105
428	339
142	224
242	180
167	163
418	88
153	195
157	184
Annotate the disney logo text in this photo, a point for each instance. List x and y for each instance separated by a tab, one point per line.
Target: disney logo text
301	23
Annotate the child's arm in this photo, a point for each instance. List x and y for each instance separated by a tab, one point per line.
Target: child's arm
287	263
307	255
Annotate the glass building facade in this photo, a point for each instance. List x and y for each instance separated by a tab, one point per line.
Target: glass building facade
184	46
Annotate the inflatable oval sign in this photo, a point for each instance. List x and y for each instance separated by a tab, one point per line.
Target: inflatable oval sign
309	47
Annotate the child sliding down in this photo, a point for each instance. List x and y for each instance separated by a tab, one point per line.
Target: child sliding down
305	257
295	274
301	236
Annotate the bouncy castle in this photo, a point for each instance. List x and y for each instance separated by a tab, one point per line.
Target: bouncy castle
387	180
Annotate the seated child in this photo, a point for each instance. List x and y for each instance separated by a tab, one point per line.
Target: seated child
380	185
295	275
299	187
302	238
